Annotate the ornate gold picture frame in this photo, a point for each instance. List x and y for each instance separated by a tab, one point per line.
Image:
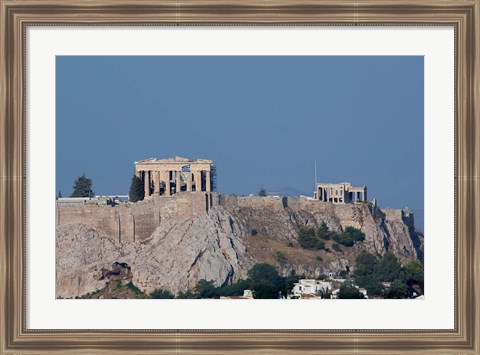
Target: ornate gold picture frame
17	15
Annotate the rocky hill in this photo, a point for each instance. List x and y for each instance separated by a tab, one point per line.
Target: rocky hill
172	242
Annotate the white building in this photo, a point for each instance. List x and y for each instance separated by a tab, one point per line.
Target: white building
363	292
340	193
310	287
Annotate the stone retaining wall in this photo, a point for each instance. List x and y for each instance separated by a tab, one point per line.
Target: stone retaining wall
129	222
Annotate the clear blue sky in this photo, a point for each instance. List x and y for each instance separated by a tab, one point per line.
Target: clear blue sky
263	120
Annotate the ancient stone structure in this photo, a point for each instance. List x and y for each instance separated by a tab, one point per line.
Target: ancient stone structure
171	243
173	175
135	222
340	193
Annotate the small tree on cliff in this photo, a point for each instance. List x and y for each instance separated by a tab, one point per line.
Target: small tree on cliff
82	187
137	190
262	192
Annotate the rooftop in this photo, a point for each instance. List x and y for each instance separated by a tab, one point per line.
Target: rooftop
173	160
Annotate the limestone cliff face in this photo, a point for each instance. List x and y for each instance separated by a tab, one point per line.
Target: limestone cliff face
385	230
181	243
181	253
81	254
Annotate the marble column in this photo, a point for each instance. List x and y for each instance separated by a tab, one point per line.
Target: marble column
198	181
178	182
208	187
147	183
189	181
156	183
167	183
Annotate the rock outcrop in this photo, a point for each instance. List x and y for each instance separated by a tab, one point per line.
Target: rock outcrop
81	257
212	243
180	254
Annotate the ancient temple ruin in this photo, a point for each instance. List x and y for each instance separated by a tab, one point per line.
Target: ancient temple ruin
173	175
340	193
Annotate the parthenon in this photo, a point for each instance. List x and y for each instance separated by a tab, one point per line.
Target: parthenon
173	175
340	193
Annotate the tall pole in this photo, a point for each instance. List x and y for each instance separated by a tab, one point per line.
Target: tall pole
315	173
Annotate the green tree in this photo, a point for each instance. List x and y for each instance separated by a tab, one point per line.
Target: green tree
265	281
371	272
186	295
264	290
372	285
348	291
137	189
414	273
397	290
161	294
263	272
59	194
344	239
350	236
308	239
325	293
320	244
82	187
388	268
262	192
365	273
235	289
356	234
365	264
289	282
323	231
205	289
